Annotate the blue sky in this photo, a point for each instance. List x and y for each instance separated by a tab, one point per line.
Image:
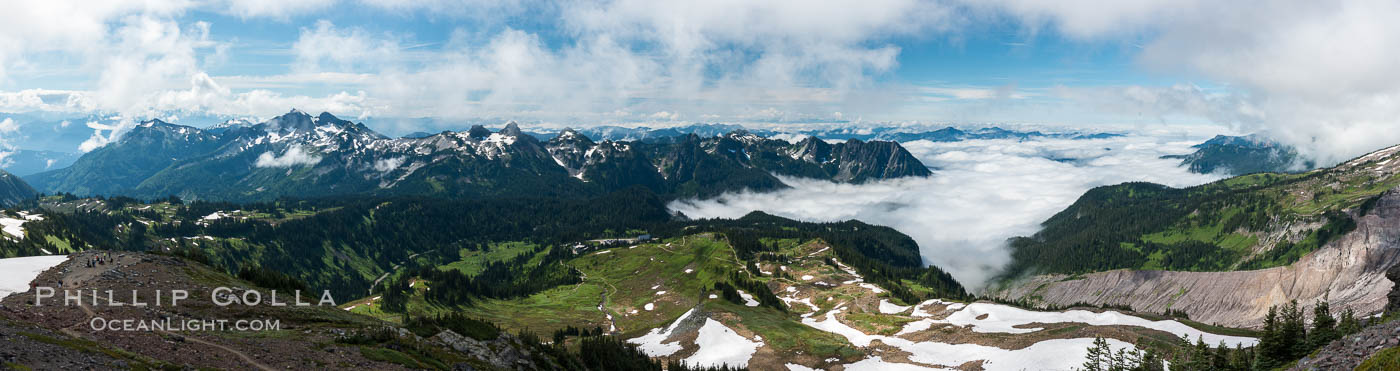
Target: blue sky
1000	60
1303	72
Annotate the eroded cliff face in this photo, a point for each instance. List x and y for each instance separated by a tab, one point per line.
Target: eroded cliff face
1349	272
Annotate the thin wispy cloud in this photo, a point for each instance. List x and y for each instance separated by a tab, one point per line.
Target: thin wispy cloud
294	156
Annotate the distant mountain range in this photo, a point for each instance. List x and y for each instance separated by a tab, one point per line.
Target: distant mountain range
50	142
893	134
1238	155
299	155
947	134
26	162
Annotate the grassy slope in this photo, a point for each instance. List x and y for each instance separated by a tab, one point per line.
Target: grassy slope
629	279
1388	359
1278	200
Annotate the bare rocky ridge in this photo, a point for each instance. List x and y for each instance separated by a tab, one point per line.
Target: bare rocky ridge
1348	272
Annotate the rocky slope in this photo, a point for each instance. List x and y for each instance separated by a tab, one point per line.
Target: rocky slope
299	155
1348	271
1348	352
856	161
13	189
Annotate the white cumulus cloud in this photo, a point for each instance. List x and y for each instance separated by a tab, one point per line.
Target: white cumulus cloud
385	165
8	128
1317	74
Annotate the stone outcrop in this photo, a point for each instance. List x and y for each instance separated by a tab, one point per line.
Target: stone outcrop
865	161
1393	298
504	352
1349	272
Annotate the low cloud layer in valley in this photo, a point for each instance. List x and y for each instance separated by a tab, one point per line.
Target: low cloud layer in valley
982	193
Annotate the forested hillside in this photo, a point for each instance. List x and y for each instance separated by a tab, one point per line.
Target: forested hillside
13	190
1247	222
1239	155
344	245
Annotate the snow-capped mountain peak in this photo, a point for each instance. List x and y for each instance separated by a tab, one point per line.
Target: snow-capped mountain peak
300	154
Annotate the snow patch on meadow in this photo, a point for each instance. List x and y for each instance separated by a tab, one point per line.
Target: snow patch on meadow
653	343
886	307
719	345
873	288
789	300
748	299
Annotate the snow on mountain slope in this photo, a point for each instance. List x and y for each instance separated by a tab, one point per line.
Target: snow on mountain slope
300	155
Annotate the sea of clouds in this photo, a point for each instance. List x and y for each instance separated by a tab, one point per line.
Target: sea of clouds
981	193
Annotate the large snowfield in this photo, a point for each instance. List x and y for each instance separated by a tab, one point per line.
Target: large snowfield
1005	319
19	272
1058	354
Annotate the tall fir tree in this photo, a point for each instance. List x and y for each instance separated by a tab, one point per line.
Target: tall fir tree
1323	328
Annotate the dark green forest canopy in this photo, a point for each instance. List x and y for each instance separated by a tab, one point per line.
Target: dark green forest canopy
344	244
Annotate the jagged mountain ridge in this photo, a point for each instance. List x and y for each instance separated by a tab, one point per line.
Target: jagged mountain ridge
298	155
